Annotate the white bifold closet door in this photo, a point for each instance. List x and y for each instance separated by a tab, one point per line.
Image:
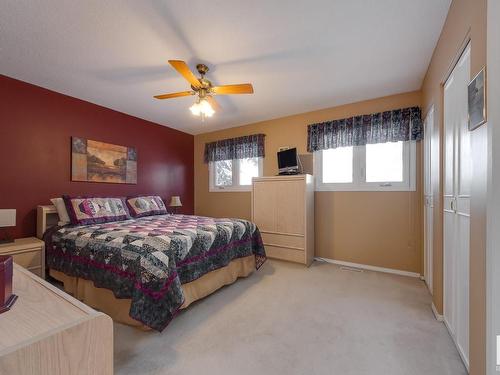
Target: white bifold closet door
430	176
456	201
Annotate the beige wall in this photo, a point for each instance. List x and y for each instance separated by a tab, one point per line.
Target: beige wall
466	20
377	228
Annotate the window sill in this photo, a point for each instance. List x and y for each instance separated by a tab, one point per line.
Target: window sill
372	188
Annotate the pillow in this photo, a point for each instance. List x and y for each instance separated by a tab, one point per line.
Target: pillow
93	210
146	206
61	211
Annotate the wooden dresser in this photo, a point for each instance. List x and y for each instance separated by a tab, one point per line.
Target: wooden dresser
283	209
48	332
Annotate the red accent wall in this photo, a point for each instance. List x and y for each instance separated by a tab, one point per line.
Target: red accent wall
36	126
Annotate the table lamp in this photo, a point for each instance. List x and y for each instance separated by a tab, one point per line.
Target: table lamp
7	219
175	202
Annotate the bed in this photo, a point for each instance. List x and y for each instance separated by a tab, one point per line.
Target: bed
142	271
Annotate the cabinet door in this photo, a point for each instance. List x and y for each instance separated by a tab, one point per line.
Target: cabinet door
290	206
264	205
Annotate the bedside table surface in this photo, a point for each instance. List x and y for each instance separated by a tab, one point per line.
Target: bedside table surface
21	244
49	332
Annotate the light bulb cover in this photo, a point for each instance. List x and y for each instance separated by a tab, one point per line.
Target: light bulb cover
202	108
195	109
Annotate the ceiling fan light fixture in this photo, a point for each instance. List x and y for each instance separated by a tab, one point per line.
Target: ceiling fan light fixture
202	88
202	108
195	109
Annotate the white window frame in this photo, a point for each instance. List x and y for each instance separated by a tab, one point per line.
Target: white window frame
359	172
236	176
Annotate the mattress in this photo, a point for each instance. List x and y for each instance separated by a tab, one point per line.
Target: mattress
147	260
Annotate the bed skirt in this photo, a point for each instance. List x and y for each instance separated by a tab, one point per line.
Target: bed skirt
118	309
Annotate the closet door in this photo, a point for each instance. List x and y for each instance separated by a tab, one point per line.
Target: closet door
429	178
456	200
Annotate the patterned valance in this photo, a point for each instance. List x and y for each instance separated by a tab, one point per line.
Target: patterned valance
249	146
391	126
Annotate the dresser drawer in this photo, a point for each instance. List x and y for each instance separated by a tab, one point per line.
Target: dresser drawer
296	242
29	259
298	256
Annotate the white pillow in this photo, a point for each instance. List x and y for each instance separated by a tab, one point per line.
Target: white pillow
61	210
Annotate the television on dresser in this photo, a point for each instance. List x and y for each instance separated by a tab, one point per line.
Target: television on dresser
288	162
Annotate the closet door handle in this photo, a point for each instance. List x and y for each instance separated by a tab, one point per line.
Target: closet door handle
452	204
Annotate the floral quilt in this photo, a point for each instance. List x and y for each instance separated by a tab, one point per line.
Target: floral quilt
149	258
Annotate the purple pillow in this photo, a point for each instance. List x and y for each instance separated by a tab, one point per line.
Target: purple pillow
146	206
94	210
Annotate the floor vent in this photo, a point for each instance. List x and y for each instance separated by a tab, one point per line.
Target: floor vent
344	268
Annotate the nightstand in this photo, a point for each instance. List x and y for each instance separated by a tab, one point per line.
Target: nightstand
28	253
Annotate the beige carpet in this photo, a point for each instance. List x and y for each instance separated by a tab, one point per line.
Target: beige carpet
289	319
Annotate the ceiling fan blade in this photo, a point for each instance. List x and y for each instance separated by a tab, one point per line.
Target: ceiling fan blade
244	88
184	70
215	105
174	95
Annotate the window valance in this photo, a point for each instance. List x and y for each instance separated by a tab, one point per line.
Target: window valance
391	126
249	146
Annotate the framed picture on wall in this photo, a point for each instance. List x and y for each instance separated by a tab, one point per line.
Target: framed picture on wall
477	100
94	161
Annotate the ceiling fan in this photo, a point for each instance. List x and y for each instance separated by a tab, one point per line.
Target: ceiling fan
205	104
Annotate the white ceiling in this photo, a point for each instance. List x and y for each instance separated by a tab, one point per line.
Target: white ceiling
299	55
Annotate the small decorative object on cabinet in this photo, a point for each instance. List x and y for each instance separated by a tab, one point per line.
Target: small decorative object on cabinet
175	202
7	299
49	332
283	209
28	253
7	219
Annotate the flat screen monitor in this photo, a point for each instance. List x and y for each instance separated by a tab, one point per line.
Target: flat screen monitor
288	162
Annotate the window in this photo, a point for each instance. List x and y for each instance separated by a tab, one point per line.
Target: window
374	167
338	165
234	175
384	162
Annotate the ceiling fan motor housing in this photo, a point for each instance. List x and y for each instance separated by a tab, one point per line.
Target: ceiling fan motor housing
202	69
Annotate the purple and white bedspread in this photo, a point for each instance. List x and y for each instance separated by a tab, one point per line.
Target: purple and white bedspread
148	259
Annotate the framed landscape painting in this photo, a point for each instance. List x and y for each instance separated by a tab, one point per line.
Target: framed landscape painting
94	161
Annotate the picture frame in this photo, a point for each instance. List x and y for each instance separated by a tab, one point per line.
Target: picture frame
95	161
477	100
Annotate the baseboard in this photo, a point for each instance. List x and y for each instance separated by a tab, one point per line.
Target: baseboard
439	317
459	349
369	268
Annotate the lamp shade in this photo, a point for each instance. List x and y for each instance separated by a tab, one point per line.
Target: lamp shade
7	218
175	201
